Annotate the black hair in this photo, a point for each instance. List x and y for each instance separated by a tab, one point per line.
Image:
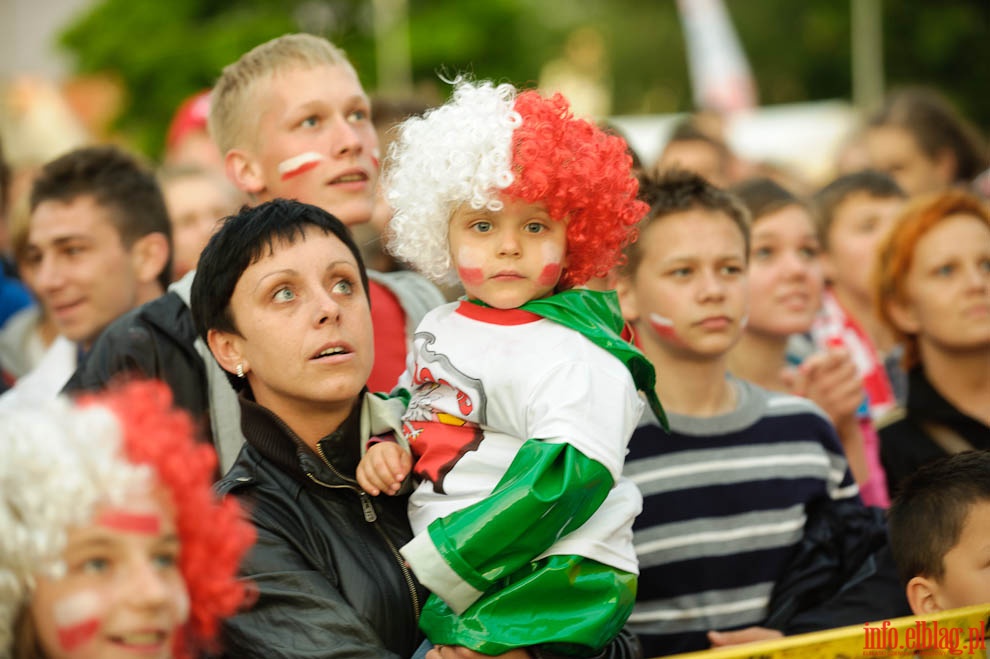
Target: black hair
928	514
118	182
243	239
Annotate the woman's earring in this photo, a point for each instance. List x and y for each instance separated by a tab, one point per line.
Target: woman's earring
240	370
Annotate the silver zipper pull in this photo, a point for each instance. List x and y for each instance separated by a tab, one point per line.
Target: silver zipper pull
369	510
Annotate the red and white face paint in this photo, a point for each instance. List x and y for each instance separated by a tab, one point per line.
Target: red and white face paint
508	257
122	595
297	165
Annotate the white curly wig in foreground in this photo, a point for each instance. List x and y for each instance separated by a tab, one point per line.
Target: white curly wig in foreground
460	152
59	461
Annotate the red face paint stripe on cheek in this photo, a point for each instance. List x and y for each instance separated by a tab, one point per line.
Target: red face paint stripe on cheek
663	327
131	522
471	275
550	275
73	636
301	169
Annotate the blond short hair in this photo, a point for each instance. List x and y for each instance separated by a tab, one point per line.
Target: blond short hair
231	106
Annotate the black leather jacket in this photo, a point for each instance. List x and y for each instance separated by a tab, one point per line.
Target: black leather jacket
329	577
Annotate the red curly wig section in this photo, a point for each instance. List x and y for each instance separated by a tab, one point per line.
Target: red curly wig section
581	173
213	534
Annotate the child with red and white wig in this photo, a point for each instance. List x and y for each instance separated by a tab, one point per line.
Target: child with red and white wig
523	395
113	544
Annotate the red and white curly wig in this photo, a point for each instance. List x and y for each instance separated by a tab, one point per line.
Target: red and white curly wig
490	141
62	459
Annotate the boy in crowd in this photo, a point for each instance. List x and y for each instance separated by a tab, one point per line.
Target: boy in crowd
292	120
940	533
856	211
728	492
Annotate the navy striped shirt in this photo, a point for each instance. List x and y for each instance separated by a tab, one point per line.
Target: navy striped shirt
723	509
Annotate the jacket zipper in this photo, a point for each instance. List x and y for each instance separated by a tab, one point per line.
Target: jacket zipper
371	516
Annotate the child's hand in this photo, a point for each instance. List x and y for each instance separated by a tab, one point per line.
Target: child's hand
831	380
748	635
383	468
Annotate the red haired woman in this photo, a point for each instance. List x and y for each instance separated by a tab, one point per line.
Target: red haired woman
933	286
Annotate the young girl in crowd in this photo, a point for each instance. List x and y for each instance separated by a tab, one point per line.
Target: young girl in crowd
786	281
113	545
524	396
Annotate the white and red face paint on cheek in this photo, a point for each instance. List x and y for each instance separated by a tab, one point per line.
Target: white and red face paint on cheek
663	327
296	165
469	267
553	258
78	617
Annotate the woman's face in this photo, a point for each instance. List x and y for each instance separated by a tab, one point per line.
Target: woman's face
122	596
785	273
304	336
948	287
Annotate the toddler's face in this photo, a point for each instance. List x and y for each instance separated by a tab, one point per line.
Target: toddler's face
508	257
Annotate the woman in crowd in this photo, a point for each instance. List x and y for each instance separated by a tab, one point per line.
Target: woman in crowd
786	282
113	545
920	139
281	298
933	286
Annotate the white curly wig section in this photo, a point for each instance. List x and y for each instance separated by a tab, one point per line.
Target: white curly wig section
58	462
460	152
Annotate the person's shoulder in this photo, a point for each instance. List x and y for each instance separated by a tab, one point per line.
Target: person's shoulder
779	404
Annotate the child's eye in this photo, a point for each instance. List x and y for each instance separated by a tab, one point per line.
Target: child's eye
343	287
94	565
166	559
482	226
732	270
762	253
985	265
534	227
809	253
284	295
680	272
310	122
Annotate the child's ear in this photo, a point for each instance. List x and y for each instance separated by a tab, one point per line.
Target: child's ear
828	267
922	595
946	164
627	298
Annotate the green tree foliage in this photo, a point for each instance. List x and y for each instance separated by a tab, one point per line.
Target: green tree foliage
799	51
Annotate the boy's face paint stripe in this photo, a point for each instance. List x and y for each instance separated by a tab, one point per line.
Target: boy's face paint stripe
300	164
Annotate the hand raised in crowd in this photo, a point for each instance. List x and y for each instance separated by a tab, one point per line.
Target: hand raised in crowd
383	468
831	380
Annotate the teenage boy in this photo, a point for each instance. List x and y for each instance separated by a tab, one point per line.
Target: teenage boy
292	121
855	212
940	533
727	493
98	245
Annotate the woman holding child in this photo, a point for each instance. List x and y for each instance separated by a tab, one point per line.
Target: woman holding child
281	298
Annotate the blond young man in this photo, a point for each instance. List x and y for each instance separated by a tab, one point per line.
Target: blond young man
292	121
